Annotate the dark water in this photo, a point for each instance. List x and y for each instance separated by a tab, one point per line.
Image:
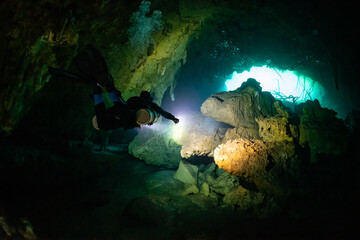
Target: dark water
85	194
79	196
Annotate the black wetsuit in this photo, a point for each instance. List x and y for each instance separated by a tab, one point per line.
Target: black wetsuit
123	115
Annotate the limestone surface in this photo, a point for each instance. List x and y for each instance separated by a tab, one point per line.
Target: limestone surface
147	144
320	130
258	162
247	113
276	129
187	173
222	184
201	136
243	199
239	108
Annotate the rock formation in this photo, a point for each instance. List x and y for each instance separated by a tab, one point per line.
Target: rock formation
247	113
187	173
263	141
243	199
201	135
261	163
156	148
247	127
320	130
241	107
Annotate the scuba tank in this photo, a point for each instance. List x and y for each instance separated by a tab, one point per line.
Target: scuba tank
146	116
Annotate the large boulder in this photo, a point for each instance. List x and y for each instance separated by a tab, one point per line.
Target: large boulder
187	173
156	147
241	107
206	179
264	164
223	183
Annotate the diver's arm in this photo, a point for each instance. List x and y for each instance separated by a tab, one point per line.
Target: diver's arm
164	113
115	96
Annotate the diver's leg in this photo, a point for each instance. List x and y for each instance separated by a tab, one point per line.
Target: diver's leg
119	102
104	140
108	118
100	109
107	81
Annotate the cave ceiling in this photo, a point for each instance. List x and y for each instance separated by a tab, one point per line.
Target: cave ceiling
207	39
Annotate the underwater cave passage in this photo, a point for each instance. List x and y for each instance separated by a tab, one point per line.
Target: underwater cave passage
233	162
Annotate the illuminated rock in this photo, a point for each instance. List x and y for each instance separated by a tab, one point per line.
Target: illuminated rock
198	136
242	157
155	148
223	183
201	135
240	132
187	173
255	115
239	108
205	189
211	179
190	189
258	162
276	129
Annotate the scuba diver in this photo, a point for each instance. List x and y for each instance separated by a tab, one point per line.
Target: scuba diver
136	111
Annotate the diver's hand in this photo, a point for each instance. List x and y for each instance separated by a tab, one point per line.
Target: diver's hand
176	120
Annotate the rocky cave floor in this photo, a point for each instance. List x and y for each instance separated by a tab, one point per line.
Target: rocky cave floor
90	195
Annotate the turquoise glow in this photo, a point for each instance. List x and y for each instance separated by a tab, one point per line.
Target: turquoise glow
282	84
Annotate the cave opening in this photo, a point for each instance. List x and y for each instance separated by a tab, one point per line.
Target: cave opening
226	48
287	86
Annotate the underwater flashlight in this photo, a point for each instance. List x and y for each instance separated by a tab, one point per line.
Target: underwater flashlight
146	116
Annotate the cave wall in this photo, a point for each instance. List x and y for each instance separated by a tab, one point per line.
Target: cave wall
29	48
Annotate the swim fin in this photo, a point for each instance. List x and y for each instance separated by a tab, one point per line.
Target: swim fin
92	68
92	65
68	75
63	73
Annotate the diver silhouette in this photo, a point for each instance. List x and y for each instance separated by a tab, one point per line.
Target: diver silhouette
136	111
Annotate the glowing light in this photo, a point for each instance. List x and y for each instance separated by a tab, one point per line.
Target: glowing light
178	130
168	128
286	85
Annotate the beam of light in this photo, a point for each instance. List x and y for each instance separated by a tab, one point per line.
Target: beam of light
284	85
178	129
168	128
